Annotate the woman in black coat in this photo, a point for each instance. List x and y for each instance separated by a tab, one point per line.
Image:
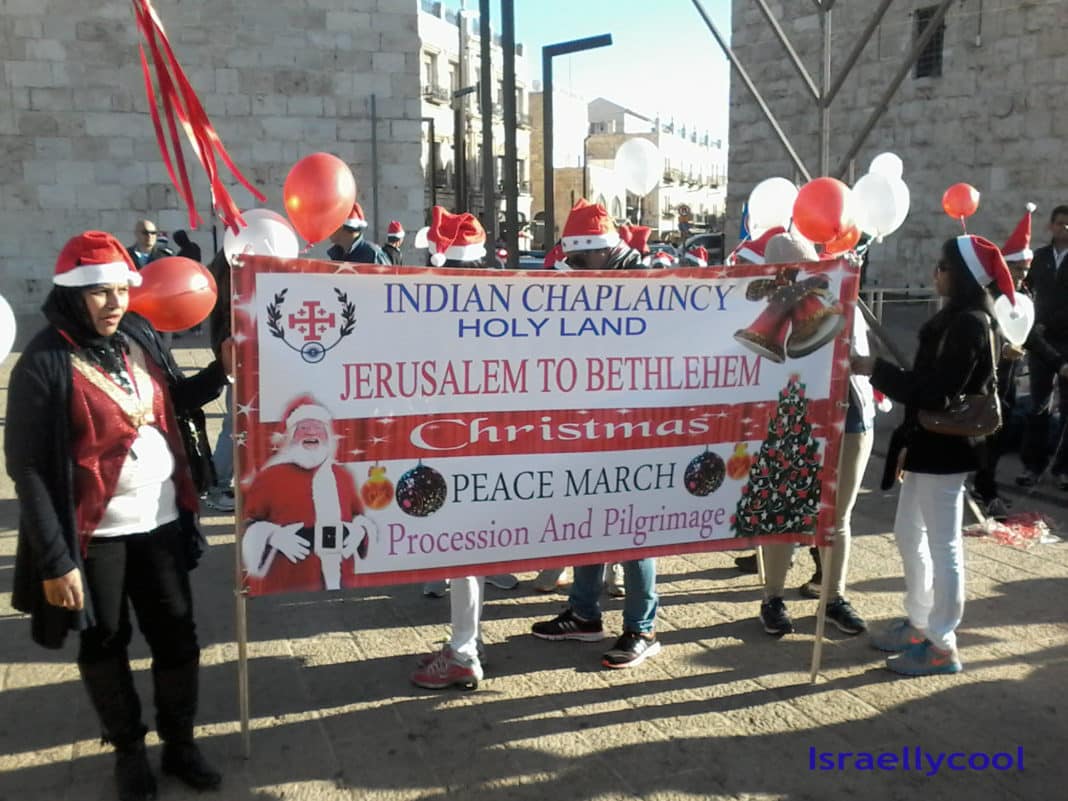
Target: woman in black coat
955	357
107	505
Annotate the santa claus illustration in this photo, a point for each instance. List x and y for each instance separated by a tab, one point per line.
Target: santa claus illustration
304	519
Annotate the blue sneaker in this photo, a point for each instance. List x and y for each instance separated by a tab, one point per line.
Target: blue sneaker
898	636
924	659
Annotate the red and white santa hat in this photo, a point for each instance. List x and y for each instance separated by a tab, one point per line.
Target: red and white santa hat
95	257
698	255
554	258
1018	245
636	237
455	237
589	227
395	230
356	221
986	264
662	259
305	407
753	250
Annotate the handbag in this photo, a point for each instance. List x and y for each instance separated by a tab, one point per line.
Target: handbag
977	415
192	425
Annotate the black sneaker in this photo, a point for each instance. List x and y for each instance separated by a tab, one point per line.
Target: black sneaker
746	564
775	618
569	626
631	650
845	617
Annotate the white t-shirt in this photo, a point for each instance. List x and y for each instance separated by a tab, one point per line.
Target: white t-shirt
145	495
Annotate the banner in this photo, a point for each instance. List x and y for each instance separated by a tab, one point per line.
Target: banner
400	424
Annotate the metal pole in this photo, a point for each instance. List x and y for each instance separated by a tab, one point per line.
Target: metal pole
825	79
460	156
801	168
432	152
549	235
374	166
858	46
489	181
240	599
460	120
884	101
511	156
778	31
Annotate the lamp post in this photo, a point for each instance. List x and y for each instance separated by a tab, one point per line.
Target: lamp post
548	53
459	139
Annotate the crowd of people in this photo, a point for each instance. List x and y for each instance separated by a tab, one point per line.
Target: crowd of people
108	512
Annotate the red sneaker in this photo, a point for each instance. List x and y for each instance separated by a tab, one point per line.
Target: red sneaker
448	669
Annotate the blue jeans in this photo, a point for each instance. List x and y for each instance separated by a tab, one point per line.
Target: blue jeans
639	604
223	456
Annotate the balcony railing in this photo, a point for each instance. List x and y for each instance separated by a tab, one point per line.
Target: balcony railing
436	94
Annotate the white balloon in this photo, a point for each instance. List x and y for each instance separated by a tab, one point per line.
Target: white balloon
267	233
888	164
874	204
640	165
1015	321
771	204
7	329
902	199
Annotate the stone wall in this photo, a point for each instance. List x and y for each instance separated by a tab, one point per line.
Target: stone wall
279	81
995	118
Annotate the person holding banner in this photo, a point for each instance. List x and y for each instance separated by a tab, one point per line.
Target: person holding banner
347	243
306	523
591	242
955	357
107	504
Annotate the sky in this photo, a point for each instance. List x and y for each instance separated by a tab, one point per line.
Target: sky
663	59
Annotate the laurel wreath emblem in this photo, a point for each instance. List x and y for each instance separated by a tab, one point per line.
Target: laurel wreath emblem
311	351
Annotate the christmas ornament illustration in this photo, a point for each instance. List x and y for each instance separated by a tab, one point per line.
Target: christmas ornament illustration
421	491
739	463
783	492
377	491
704	474
800	317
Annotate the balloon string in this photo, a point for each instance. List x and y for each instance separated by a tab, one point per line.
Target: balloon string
963	224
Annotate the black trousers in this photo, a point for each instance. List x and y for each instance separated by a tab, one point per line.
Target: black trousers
993	447
148	572
1034	452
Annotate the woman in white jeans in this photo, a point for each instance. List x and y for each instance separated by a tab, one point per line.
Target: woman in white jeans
955	357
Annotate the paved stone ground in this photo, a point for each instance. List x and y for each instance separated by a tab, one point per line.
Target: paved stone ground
724	712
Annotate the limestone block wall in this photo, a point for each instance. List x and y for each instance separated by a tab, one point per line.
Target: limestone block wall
279	81
995	118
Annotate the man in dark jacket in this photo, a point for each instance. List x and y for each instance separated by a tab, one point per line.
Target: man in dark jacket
1048	282
349	244
147	248
394	240
591	241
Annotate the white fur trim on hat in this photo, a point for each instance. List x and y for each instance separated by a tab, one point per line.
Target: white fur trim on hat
112	272
749	255
354	224
308	411
591	242
457	253
1021	255
971	259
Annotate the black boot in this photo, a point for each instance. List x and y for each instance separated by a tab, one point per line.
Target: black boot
111	690
176	708
811	588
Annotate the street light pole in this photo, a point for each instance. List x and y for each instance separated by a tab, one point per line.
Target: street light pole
548	53
489	182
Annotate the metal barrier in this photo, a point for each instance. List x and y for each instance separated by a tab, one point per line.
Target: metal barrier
878	297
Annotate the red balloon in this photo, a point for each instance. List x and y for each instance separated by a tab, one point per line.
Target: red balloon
821	210
846	242
319	194
175	293
960	200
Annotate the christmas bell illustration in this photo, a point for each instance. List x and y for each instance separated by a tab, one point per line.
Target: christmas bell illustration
766	335
816	319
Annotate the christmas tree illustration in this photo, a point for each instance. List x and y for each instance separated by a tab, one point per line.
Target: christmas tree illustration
783	493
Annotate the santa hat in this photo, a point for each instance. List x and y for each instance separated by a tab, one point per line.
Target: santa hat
589	227
1018	245
662	259
456	237
554	257
395	230
95	257
636	237
305	407
698	255
986	264
753	250
356	221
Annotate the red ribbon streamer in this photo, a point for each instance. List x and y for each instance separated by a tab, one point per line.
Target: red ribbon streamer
179	100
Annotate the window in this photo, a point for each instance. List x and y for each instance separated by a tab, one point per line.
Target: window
454	77
520	106
929	64
430	69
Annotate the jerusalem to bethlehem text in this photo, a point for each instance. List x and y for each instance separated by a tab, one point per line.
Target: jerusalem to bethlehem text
464	297
434	378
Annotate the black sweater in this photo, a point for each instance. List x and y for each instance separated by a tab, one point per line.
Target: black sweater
1049	287
953	359
37	449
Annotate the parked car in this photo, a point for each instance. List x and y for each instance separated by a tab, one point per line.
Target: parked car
715	244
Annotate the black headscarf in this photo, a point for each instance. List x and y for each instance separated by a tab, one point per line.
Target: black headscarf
65	309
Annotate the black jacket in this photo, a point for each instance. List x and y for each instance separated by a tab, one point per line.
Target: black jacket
219	319
953	359
1049	288
37	450
362	252
392	253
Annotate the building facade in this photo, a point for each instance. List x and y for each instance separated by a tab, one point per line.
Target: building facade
278	80
450	60
983	105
